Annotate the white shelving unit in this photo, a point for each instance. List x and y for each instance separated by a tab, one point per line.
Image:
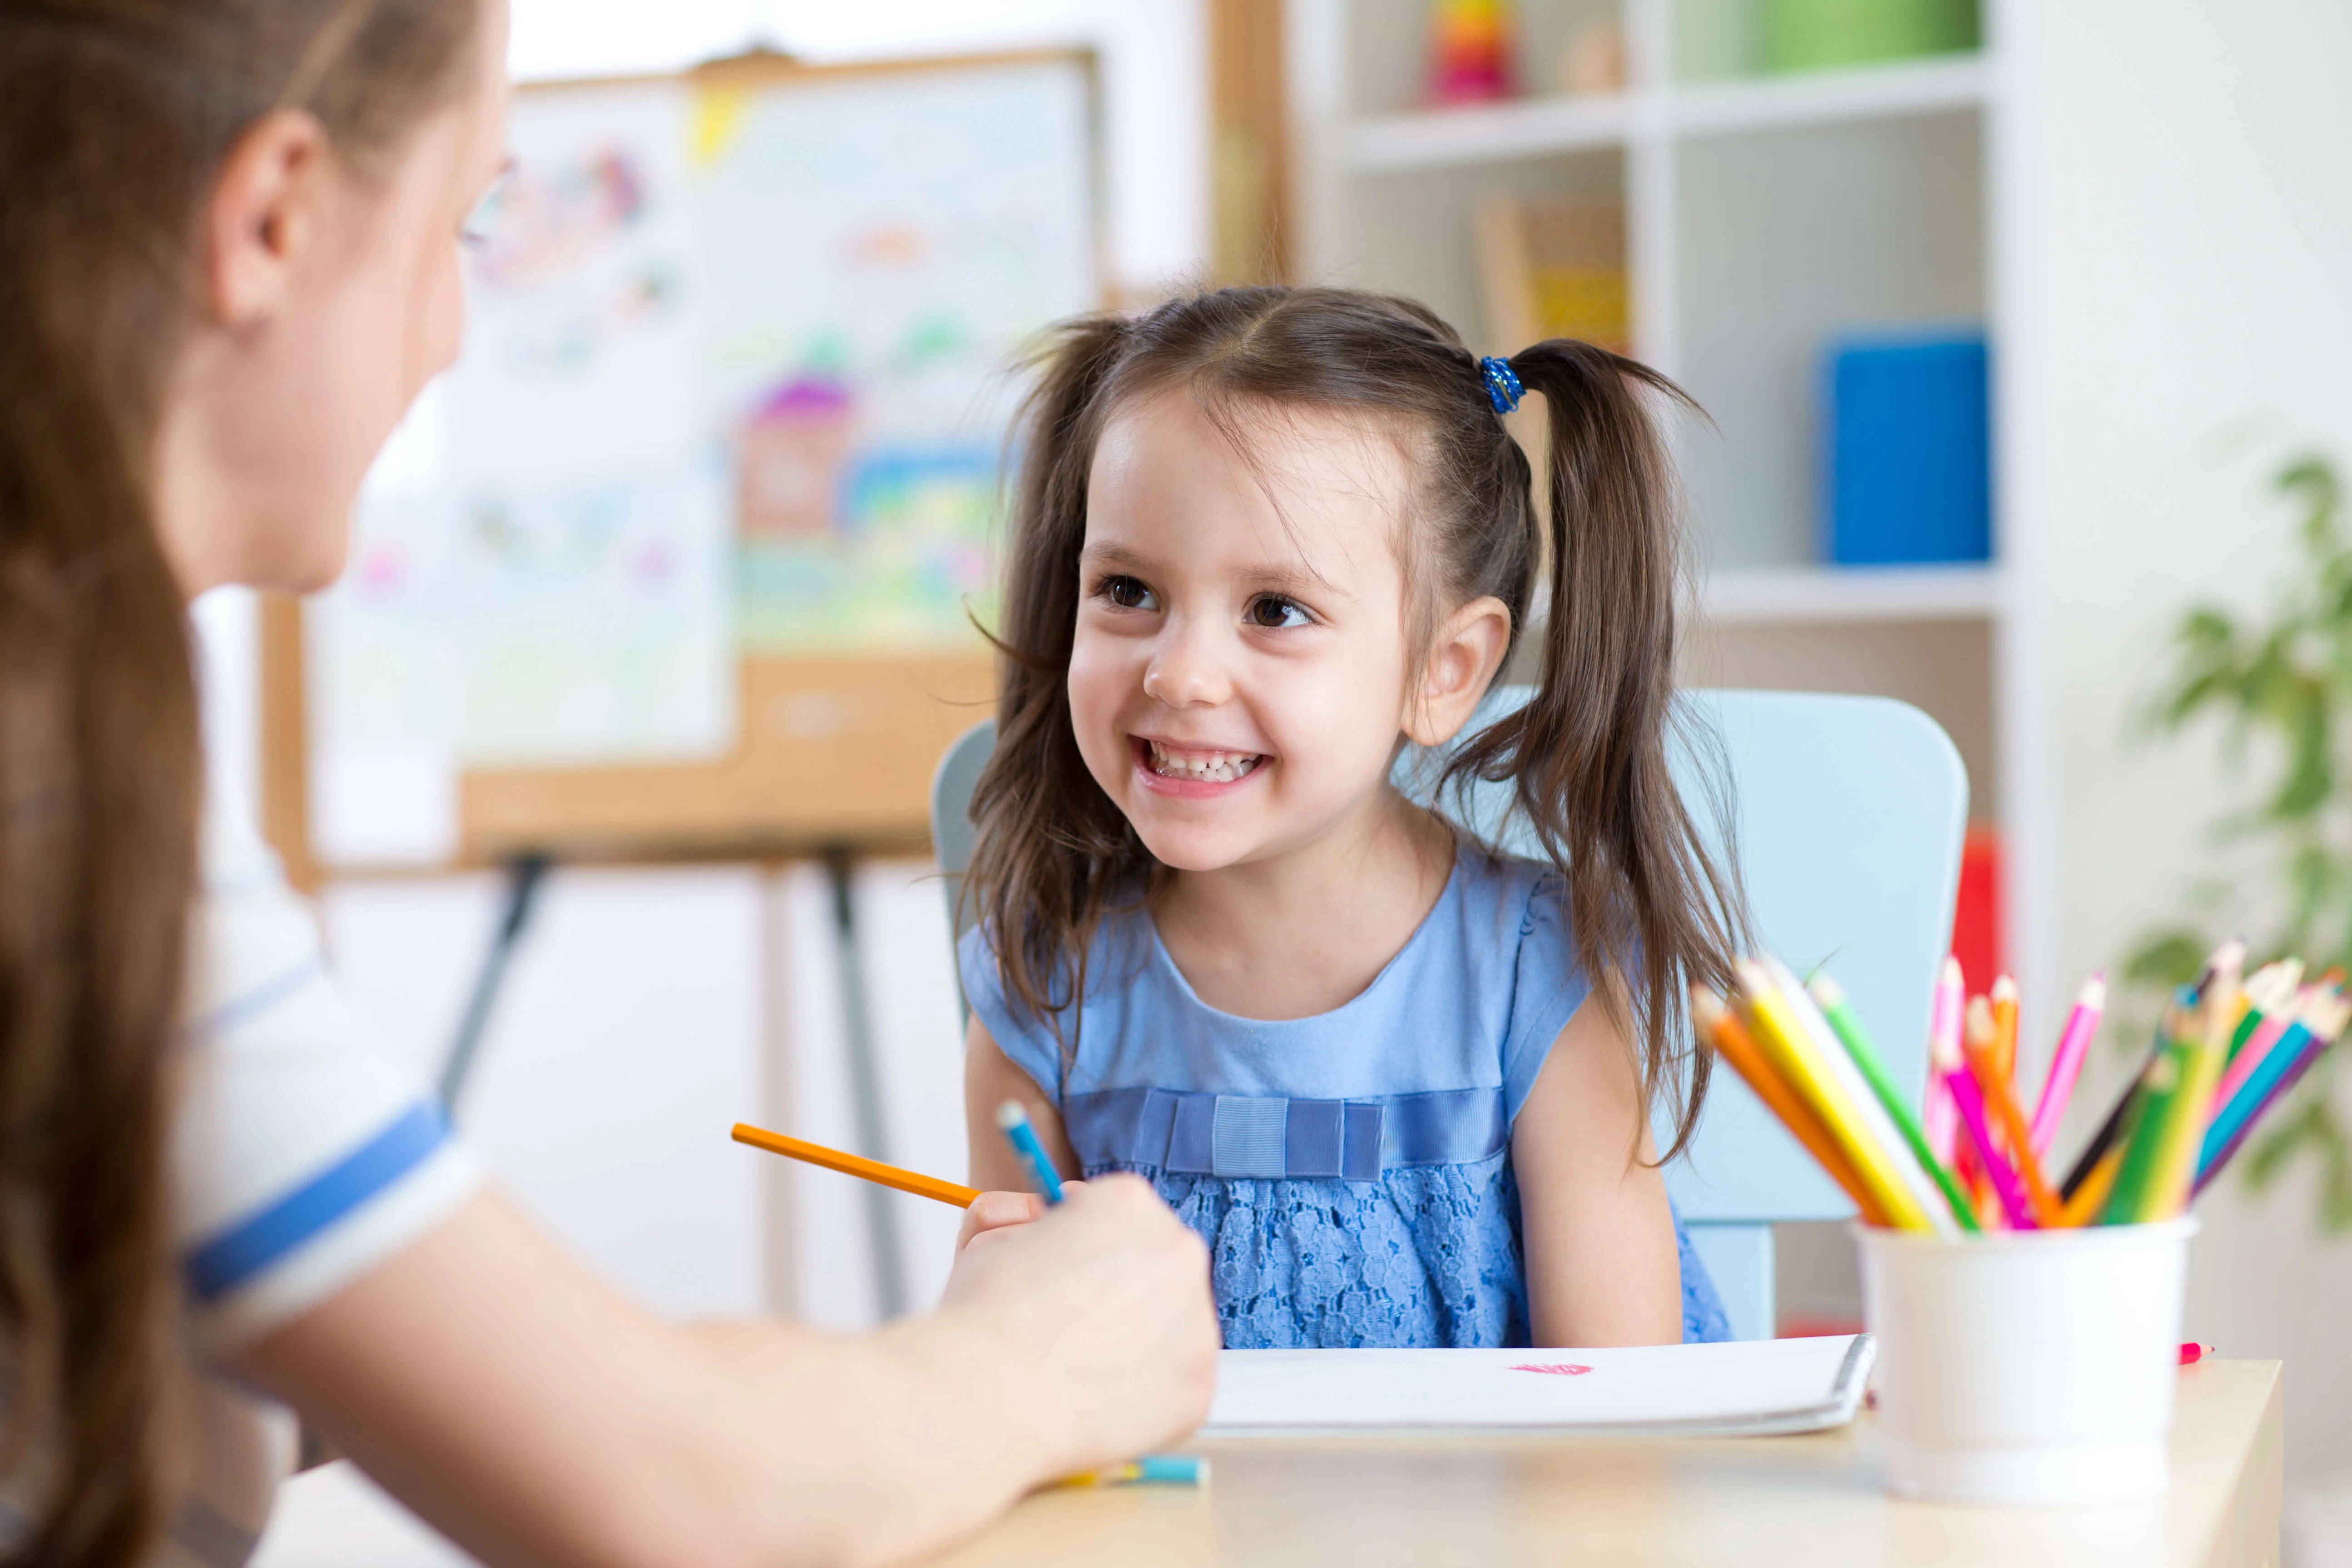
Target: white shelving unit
1766	215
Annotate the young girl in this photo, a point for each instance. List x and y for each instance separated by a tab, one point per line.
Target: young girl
1401	1085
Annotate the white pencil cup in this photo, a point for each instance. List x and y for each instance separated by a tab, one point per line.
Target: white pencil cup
2026	1366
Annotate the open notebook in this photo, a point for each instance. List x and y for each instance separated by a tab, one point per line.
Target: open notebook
1748	1388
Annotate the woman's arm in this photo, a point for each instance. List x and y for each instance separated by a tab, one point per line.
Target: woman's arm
535	1416
1602	1265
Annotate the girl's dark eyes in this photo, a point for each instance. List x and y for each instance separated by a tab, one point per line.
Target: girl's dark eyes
1127	593
1272	612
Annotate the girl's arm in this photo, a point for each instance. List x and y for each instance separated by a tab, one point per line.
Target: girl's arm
1602	1267
535	1416
990	1080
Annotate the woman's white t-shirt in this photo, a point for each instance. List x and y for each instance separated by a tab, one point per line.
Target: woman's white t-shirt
302	1155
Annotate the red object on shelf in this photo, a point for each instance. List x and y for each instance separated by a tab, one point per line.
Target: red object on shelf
1470	50
1976	937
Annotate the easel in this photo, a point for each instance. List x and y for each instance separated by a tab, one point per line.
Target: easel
832	763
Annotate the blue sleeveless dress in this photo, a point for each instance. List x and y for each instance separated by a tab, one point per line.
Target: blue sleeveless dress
1349	1171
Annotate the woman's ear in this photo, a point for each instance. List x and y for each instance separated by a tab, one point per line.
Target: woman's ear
262	216
1462	658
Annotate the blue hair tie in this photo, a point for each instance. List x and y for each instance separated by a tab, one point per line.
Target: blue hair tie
1503	388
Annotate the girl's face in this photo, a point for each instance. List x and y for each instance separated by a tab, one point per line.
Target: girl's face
1238	677
332	299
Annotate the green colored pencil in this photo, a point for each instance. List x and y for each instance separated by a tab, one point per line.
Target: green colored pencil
1830	998
2160	1089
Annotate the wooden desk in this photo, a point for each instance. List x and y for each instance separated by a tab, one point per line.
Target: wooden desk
1753	1502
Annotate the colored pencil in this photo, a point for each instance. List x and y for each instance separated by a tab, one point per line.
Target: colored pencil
1984	1065
2113	1131
2084	1207
1967	1098
2159	1088
1831	999
1044	1179
1944	1026
2270	1027
1832	1054
2184	1132
2331	1015
2110	1130
1735	1045
2270	990
2067	1063
2004	1021
1152	1469
2276	996
913	1181
1791	1051
2192	1352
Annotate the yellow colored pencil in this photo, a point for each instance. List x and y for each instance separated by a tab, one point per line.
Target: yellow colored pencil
2193	1107
1791	1051
1735	1045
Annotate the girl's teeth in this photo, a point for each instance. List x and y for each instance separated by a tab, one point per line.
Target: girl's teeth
1213	767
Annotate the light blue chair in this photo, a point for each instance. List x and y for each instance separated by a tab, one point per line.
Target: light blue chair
1849	812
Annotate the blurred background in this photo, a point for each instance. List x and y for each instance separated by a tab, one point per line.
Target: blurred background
2022	332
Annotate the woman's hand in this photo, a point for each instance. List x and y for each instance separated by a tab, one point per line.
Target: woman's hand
1103	1304
993	1212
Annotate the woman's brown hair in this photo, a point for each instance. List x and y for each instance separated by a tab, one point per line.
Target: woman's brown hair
1586	757
115	118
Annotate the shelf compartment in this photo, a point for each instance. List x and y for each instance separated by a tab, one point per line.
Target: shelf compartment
1847	595
1830	98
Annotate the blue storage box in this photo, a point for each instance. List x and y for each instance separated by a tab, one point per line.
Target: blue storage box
1908	472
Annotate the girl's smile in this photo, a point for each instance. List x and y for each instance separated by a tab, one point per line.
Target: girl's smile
1193	773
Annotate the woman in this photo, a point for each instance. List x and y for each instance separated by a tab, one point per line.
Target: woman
228	234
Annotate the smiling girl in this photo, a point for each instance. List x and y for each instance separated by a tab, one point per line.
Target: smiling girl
1399	1083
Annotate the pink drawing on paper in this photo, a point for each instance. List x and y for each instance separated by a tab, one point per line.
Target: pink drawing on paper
1556	1368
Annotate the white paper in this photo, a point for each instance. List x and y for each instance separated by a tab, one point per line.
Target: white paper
1742	1388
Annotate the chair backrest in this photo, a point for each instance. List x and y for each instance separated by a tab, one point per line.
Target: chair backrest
1847	815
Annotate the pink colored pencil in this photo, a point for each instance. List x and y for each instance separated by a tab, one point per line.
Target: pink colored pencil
1944	1053
2258	1046
1969	1101
2066	1062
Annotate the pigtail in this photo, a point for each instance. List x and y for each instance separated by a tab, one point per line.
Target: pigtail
1051	849
1587	753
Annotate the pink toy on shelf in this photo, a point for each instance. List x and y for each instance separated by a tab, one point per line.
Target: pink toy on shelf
1470	50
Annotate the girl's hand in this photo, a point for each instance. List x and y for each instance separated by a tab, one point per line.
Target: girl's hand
1000	1211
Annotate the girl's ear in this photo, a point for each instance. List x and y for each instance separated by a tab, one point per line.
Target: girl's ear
1462	658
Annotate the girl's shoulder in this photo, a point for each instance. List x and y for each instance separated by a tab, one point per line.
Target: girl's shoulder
1519	950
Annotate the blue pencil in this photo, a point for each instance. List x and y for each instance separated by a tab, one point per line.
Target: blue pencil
1043	1177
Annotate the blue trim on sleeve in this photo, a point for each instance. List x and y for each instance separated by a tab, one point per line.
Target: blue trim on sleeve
271	994
235	1255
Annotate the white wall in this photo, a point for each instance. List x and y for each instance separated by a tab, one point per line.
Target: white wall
2176	294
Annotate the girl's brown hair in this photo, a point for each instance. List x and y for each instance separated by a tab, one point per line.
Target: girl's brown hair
115	118
1586	757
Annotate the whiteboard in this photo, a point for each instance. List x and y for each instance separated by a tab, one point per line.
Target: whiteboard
738	377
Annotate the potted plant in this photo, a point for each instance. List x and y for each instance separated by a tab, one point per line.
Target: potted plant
2281	683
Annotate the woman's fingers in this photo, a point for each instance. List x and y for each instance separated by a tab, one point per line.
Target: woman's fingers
1108	1298
995	1211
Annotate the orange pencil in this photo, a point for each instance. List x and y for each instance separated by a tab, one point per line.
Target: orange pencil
913	1181
1731	1039
2092	1195
1983	1037
2004	1029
